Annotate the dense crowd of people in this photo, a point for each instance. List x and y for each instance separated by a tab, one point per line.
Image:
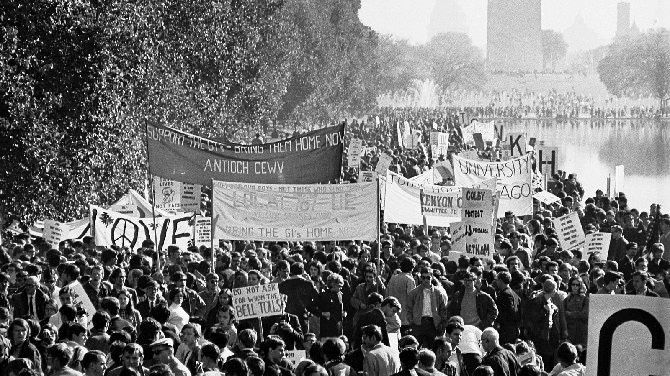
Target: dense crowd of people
528	104
400	306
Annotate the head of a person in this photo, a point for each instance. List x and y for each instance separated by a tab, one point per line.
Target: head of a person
94	363
490	339
409	358
611	280
657	250
640	281
110	305
375	299
190	333
19	331
247	338
15	366
483	371
408	341
442	347
162	350
333	348
371	335
335	282
58	356
454	332
566	354
391	306
426	275
77	333
275	348
160	370
427	359
133	355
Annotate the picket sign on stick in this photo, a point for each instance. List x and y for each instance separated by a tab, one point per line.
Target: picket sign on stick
258	301
570	232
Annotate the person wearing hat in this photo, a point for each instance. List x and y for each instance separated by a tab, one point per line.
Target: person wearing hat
163	351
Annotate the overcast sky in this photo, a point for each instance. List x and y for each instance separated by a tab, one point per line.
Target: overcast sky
410	19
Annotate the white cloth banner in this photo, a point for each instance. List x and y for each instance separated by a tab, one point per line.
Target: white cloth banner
402	201
426	178
111	228
257	301
597	242
245	211
546	197
487	130
569	230
514	181
627	335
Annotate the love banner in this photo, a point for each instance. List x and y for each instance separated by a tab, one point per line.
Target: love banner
110	228
514	181
315	157
275	212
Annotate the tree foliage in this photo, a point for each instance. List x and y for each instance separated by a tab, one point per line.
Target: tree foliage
638	66
453	62
554	48
78	78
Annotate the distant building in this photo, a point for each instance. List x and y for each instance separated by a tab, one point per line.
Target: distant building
447	17
622	19
514	38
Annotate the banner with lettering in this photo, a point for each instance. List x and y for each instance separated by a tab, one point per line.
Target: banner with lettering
478	205
403	201
570	231
110	228
597	242
425	178
175	196
472	239
514	181
55	232
294	212
628	335
202	231
257	301
315	157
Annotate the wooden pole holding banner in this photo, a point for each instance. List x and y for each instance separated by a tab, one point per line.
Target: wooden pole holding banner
423	215
153	196
609	182
378	216
211	228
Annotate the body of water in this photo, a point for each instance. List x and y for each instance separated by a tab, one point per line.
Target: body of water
592	149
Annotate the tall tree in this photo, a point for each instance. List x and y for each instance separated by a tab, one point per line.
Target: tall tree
638	65
453	62
554	48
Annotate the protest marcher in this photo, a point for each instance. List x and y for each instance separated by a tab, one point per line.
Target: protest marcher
163	353
380	359
426	309
502	361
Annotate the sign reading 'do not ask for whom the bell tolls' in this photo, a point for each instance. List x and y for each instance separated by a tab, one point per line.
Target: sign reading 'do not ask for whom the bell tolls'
258	301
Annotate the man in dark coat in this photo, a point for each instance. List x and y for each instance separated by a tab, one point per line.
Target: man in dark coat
31	301
509	319
374	316
503	361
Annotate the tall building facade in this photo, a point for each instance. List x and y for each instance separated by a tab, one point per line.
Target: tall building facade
622	19
514	37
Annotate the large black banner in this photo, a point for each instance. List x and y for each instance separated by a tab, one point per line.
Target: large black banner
315	157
